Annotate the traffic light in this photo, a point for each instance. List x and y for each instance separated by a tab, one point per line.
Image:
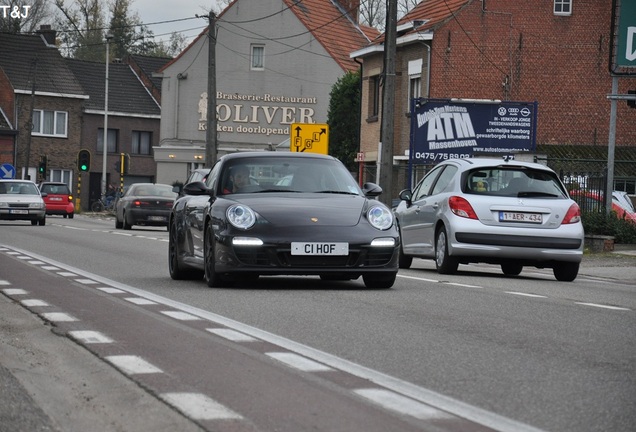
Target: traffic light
631	103
124	163
84	160
42	166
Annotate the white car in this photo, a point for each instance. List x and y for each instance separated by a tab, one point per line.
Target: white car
21	200
509	213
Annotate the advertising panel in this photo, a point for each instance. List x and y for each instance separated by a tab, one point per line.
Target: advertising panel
444	129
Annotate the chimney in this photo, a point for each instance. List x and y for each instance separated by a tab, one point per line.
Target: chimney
47	33
353	7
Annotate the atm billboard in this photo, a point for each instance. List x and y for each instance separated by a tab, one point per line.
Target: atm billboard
444	129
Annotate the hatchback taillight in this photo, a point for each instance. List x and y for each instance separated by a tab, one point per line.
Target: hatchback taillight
461	207
573	215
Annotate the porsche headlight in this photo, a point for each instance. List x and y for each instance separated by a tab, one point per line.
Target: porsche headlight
241	216
380	218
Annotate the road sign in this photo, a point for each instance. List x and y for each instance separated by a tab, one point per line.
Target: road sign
626	51
7	171
309	137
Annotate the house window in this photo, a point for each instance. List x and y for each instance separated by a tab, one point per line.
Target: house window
112	140
64	176
49	123
258	57
415	81
141	142
374	96
563	7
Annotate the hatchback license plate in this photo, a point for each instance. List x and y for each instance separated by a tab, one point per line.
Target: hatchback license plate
56	199
157	218
320	248
520	217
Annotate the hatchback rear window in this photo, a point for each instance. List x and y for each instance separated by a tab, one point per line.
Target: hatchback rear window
56	189
514	182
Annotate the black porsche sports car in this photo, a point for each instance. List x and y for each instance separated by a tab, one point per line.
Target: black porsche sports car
274	213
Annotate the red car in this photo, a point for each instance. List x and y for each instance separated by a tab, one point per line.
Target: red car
58	199
593	200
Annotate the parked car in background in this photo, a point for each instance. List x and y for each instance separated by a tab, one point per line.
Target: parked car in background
509	213
58	199
592	201
282	213
22	200
146	204
624	200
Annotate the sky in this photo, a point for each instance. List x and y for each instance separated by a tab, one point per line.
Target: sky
155	11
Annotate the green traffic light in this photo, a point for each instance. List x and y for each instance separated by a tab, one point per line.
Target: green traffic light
84	167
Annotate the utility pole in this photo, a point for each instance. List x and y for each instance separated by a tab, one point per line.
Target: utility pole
29	131
105	144
210	131
388	105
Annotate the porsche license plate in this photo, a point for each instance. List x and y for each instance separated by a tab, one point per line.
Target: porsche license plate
520	217
320	248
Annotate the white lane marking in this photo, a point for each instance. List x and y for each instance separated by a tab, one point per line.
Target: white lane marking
182	316
140	301
421	394
462	285
86	281
402	404
199	406
33	302
121	233
298	362
13	253
67	274
50	268
603	306
14	291
5	282
417	278
24	257
232	335
58	317
90	336
74	228
110	290
525	294
36	262
131	364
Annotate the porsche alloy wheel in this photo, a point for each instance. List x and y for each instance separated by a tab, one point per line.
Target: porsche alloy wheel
211	277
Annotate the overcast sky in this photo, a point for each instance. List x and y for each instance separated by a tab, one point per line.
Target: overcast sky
154	11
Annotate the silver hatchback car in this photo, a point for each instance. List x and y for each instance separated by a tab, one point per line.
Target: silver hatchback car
494	211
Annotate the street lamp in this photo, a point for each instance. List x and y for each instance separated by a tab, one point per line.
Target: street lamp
105	143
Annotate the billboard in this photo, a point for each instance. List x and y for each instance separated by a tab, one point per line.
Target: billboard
623	47
444	129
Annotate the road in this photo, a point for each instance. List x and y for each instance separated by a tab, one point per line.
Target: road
472	351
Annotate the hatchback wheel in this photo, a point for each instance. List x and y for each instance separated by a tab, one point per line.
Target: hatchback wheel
566	271
445	264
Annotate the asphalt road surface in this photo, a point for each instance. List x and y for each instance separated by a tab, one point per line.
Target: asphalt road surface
95	336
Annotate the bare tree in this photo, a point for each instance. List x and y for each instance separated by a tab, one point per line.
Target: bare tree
404	6
19	16
373	12
82	29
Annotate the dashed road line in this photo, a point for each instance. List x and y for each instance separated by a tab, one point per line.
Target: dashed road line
131	364
604	306
199	406
298	362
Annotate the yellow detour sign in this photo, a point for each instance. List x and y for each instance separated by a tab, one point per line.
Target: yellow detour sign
309	137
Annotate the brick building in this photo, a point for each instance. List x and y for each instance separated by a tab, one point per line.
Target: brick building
553	52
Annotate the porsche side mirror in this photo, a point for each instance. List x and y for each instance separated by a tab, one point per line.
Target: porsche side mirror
195	188
371	190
